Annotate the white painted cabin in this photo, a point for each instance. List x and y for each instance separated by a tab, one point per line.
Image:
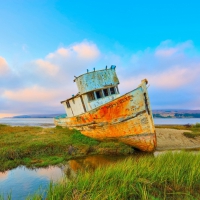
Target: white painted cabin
95	89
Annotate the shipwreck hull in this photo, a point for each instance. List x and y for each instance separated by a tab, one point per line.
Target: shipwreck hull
127	119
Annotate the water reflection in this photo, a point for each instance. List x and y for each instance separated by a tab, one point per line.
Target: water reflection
3	176
21	182
92	162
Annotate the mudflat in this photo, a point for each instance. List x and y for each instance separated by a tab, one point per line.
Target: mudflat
168	139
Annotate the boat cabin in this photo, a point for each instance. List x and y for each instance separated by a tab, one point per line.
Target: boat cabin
95	89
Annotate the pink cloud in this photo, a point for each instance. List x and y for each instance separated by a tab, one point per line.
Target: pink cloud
64	63
166	52
86	50
173	78
4	68
63	52
2	115
32	94
83	50
47	67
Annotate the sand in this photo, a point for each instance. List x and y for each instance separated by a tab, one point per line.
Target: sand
168	139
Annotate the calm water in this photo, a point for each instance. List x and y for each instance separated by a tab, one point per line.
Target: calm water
45	122
21	182
48	122
160	121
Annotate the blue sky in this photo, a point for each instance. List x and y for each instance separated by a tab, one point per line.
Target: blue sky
43	44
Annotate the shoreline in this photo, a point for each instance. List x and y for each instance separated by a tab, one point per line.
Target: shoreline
42	146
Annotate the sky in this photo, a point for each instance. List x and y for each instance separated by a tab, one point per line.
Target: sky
44	44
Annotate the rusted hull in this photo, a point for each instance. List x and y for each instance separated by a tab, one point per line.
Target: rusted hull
127	119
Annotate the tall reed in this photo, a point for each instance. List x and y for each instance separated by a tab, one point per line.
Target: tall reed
168	176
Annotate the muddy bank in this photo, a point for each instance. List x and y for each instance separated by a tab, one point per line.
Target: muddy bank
168	139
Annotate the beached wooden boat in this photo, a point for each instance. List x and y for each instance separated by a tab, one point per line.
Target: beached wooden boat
99	111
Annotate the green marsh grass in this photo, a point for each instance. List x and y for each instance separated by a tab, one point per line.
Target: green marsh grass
194	129
168	176
39	147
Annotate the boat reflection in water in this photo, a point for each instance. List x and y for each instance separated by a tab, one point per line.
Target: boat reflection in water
72	167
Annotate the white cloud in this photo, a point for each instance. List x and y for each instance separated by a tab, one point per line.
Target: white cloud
46	81
167	48
66	62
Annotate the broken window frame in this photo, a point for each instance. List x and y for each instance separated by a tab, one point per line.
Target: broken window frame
68	104
115	92
100	94
117	89
106	89
89	94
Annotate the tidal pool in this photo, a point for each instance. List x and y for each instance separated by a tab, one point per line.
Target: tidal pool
22	182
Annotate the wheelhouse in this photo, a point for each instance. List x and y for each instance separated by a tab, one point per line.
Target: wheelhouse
95	89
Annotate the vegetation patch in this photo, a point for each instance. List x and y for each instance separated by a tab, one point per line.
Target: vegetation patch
168	176
38	147
194	129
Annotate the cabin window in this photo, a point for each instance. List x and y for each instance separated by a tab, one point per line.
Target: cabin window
112	90
105	92
68	104
91	96
117	89
99	94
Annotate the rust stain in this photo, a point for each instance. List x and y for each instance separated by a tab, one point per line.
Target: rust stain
127	119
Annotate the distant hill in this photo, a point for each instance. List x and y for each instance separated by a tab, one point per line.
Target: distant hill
176	113
38	116
156	114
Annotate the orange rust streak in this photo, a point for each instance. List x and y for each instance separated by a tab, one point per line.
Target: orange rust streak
108	112
116	130
124	119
